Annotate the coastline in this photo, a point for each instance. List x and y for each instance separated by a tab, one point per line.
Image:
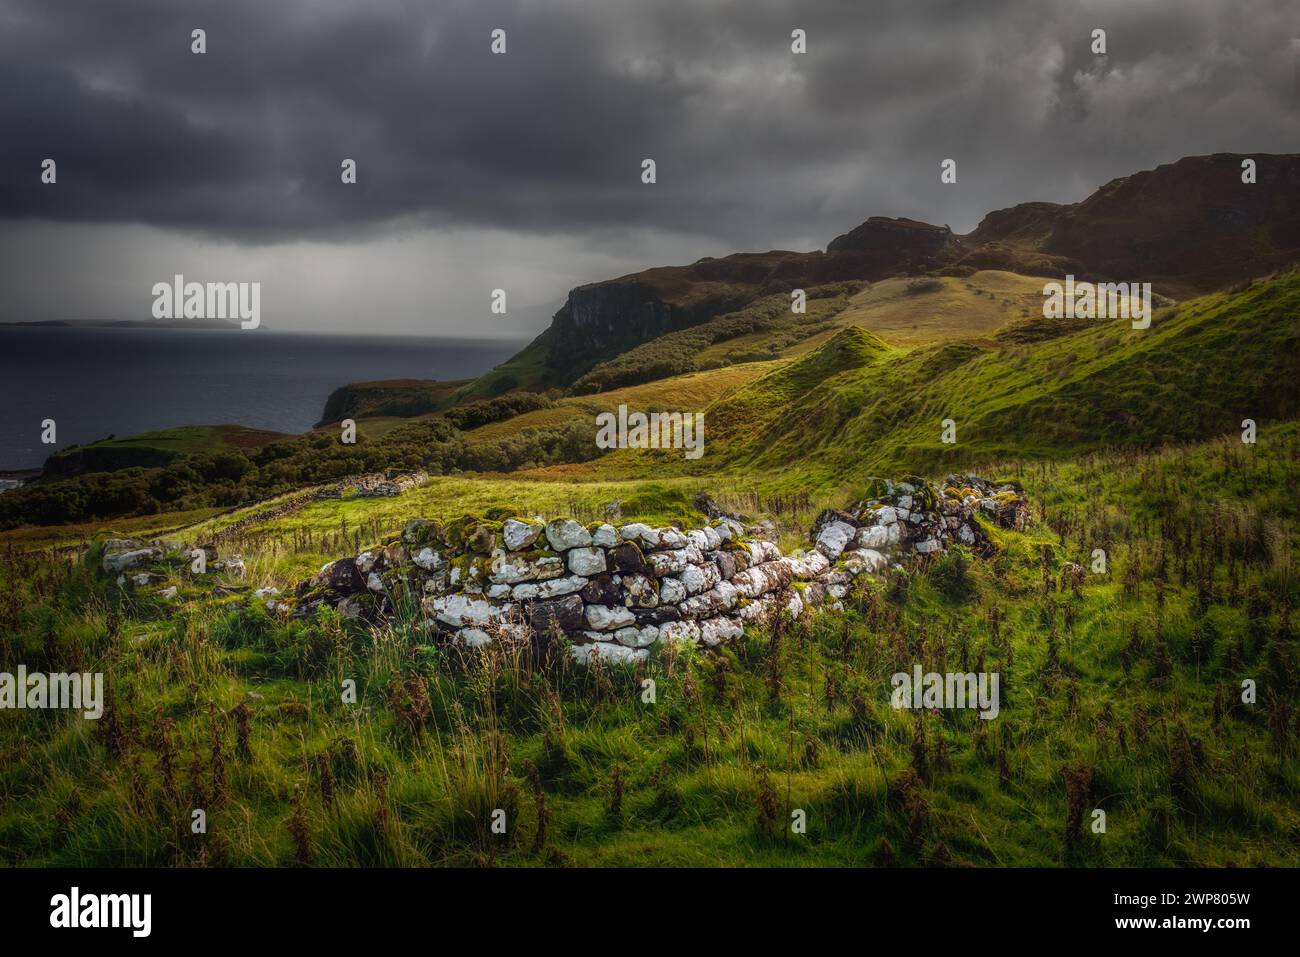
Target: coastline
96	382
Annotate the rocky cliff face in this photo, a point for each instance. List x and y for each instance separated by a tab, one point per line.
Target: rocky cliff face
1025	223
1190	226
1187	227
604	319
397	397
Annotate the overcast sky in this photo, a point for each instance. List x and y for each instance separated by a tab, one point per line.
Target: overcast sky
522	171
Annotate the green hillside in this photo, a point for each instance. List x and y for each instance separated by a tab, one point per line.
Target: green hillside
856	407
402	398
150	449
918	311
902	311
764	329
525	370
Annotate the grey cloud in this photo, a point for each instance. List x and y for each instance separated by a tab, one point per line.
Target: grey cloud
755	147
246	140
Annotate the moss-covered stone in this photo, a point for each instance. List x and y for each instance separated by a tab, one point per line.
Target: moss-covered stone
878	488
313	594
533	554
466	569
456	530
421	532
483	537
925	498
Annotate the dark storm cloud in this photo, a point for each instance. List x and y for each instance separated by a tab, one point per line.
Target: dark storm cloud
753	144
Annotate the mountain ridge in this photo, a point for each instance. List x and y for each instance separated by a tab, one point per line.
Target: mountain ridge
1188	227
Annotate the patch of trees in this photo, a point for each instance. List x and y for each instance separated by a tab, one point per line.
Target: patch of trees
234	477
231	477
534	448
471	415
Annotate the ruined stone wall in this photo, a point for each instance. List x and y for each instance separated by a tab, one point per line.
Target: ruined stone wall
376	485
613	591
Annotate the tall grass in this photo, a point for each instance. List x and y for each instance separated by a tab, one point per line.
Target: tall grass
1123	696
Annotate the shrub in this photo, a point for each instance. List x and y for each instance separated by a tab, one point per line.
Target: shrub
950	574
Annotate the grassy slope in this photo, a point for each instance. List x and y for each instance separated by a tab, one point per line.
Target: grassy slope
761	330
184	440
525	370
692	390
914	312
83	533
855	407
901	311
405	398
197	438
1107	682
968	307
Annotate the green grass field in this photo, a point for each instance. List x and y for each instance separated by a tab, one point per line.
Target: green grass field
921	311
159	448
1124	695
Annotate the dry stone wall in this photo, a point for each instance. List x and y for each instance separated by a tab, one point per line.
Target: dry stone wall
376	485
614	591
